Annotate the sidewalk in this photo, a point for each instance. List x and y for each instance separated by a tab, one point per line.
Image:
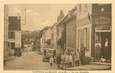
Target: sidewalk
99	63
9	58
92	67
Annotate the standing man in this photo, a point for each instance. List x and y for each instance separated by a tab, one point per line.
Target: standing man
98	51
106	49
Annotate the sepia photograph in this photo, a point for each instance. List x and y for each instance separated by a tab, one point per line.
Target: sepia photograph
58	37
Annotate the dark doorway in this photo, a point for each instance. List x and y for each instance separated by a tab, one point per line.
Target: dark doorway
12	45
104	38
106	44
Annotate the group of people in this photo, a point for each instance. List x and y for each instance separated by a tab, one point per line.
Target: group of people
69	58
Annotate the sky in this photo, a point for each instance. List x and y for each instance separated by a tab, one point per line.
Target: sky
40	15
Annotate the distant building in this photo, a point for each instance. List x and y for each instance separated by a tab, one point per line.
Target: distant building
12	30
45	40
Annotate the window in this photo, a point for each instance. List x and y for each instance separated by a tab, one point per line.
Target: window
14	23
86	38
11	35
12	45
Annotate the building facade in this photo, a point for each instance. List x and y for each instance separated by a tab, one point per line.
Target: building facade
86	25
83	30
101	29
94	27
45	40
61	33
70	29
12	29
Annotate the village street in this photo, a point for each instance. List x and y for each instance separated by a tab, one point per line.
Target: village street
31	60
57	37
28	61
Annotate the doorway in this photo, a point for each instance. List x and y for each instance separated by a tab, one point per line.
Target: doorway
104	38
12	45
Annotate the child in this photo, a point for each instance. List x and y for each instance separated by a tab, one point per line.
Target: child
51	61
103	59
70	60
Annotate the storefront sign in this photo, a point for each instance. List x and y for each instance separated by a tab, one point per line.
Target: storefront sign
102	20
103	27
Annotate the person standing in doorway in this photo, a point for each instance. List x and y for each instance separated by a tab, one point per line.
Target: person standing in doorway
106	49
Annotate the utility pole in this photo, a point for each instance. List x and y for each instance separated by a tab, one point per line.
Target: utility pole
25	15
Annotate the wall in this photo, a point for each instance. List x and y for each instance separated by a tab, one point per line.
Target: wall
54	34
84	26
71	33
6	49
18	39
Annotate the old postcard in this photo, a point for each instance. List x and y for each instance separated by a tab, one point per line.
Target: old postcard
57	37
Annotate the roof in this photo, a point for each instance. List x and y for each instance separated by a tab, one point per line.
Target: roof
67	16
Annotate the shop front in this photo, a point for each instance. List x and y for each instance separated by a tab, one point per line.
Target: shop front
101	31
103	35
103	42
